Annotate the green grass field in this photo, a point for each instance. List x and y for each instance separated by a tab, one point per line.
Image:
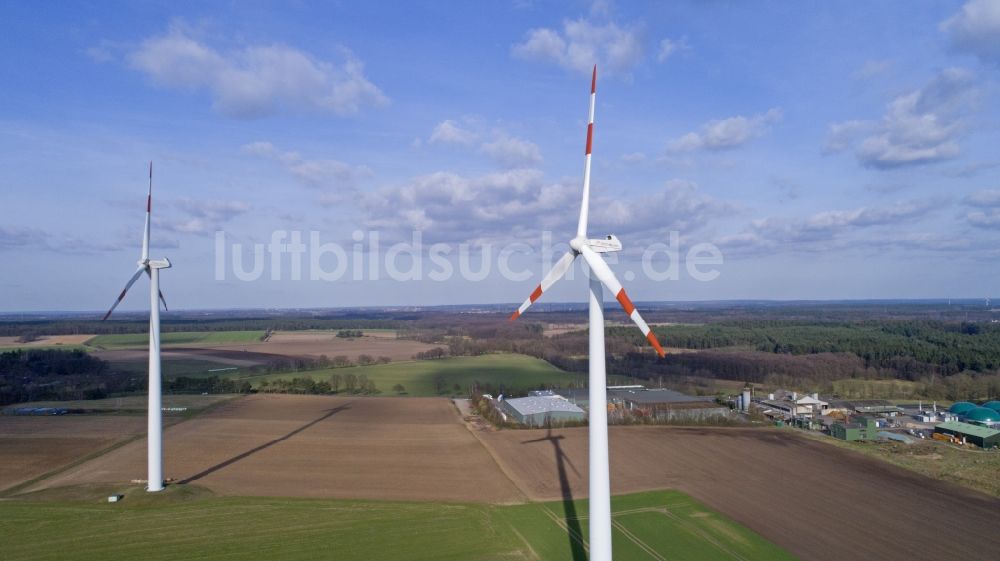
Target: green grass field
187	522
509	370
175	338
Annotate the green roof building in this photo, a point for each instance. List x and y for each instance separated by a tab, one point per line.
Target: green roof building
858	428
981	416
983	437
994	405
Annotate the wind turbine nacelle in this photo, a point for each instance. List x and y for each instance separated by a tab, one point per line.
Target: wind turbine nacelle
606	244
159	263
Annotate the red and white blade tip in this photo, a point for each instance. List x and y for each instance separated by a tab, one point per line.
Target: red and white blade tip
593	81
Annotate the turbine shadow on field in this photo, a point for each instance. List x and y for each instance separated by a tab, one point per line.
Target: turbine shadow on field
569	507
329	413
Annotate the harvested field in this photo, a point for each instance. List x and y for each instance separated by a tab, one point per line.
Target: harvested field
815	500
552	329
316	343
44	341
32	446
315	446
230	358
131	403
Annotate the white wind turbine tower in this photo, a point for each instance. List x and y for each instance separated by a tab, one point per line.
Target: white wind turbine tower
600	486
154	427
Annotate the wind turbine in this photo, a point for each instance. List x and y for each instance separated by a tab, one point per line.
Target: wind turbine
600	486
154	426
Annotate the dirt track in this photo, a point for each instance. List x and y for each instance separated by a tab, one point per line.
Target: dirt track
313	446
31	446
818	501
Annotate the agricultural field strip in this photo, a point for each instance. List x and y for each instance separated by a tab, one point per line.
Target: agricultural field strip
562	524
635	539
697	531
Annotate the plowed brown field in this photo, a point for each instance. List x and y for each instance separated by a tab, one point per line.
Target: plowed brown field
32	446
316	446
816	500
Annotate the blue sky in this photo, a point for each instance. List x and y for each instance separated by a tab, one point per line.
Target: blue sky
827	149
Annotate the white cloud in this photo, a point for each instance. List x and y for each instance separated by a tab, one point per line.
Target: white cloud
504	149
976	29
987	209
449	131
986	197
320	173
634	157
667	48
519	204
678	205
256	79
873	68
825	230
581	44
22	238
842	136
200	217
33	239
722	134
513	152
988	219
919	127
922	126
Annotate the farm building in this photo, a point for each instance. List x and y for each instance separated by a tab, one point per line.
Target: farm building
667	404
788	404
980	436
856	428
659	403
540	411
879	407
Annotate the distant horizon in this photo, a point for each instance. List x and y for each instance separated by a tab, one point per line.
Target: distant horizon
541	307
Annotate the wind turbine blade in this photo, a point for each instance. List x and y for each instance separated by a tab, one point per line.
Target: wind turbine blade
149	208
581	228
162	299
121	296
600	268
555	274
